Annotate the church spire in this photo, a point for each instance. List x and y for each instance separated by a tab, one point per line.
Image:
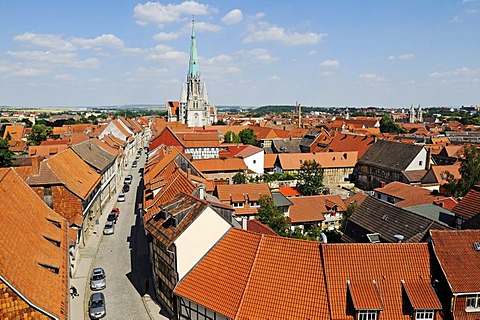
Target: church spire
193	68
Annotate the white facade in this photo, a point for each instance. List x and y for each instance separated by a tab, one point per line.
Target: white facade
255	162
198	239
419	162
203	153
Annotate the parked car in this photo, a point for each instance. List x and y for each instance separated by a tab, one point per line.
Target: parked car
121	197
96	306
109	228
128	179
134	164
112	217
98	280
126	188
116	211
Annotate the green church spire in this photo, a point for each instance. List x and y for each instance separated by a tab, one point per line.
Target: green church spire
193	68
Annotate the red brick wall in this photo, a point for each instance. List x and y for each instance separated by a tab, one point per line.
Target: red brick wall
459	310
65	203
12	306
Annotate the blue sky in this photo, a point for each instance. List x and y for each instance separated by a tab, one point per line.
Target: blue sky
320	53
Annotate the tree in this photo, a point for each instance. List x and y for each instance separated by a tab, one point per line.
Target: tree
230	137
5	154
239	178
387	125
469	170
271	215
347	214
247	136
39	133
310	178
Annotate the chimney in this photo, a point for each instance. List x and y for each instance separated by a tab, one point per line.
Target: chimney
244	223
36	165
427	162
189	173
201	191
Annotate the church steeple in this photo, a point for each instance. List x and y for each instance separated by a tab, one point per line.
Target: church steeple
193	68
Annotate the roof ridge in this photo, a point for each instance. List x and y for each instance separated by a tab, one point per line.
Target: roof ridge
249	277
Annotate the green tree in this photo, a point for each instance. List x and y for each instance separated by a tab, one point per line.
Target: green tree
310	178
39	133
387	125
347	214
231	137
247	136
5	154
469	170
239	178
271	215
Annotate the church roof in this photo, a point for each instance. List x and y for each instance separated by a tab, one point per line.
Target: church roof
193	67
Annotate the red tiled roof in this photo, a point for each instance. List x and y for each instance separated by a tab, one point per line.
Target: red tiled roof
15	132
269	160
420	294
311	209
458	258
388	265
357	198
251	276
364	294
411	195
24	232
256	226
219	165
293	161
289	191
342	142
242	192
469	206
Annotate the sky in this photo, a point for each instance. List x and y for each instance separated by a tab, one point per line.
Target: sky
318	53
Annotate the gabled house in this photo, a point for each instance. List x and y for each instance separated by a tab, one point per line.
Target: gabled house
437	177
310	140
221	171
468	208
388	161
253	276
380	281
378	221
116	130
286	145
342	142
180	234
404	195
244	198
316	211
34	266
252	156
337	166
449	155
45	151
70	187
103	162
458	255
200	144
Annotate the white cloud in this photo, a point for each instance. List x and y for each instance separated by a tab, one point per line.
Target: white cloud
465	1
56	43
64	77
391	58
406	56
220	59
327	74
260	15
165	36
371	77
312	53
258	54
29	72
205	26
330	63
157	13
455	19
275	78
233	17
460	72
471	11
262	32
162	52
59	59
231	70
133	51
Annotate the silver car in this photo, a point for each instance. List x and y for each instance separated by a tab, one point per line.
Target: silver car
98	281
96	306
109	228
121	197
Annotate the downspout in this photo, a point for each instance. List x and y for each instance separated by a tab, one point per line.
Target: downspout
28	302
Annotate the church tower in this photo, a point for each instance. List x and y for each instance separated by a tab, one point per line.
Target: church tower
194	107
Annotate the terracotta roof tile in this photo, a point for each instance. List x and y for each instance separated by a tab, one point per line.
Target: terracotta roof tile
242	192
421	294
469	206
256	226
388	265
289	191
310	209
46	150
293	161
457	256
216	165
24	232
269	160
411	195
15	132
250	276
364	294
342	142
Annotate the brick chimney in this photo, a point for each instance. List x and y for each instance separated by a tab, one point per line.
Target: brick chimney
36	165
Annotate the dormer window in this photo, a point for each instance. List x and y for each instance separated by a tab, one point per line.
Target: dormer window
238	204
424	314
367	315
473	303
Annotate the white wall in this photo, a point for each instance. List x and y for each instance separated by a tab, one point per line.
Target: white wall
415	165
255	162
198	239
191	315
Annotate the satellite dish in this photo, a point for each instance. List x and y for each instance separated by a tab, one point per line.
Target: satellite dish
399	237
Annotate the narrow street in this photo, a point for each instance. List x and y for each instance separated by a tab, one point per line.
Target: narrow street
124	256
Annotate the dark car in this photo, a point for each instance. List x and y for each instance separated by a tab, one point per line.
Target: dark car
112	217
96	306
125	188
128	179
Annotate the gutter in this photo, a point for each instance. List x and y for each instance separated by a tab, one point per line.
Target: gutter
28	301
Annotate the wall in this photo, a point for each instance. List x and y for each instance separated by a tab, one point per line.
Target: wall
198	239
194	311
255	162
415	164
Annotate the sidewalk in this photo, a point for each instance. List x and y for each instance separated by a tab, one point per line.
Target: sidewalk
80	279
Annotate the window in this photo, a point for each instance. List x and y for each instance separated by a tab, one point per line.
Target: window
238	204
47	196
254	161
473	302
390	199
424	314
254	204
420	163
367	315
